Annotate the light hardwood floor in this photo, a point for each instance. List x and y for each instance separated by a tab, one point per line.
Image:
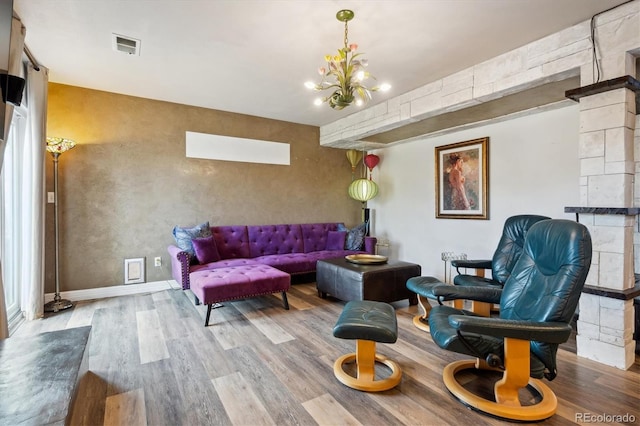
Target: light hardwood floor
153	362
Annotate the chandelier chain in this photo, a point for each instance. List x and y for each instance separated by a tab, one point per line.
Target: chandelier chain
346	34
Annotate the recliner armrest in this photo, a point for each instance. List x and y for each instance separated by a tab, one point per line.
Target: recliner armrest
476	264
549	332
446	292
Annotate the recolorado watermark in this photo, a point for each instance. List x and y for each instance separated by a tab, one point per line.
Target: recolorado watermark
605	418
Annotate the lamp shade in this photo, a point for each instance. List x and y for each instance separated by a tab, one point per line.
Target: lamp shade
363	189
59	145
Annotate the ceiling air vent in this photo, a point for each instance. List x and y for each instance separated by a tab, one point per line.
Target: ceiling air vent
125	44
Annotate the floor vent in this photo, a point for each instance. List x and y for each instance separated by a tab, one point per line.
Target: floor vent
125	44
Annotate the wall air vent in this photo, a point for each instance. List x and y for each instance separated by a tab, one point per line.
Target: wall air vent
125	44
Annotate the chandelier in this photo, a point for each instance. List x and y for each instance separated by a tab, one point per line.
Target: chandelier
345	74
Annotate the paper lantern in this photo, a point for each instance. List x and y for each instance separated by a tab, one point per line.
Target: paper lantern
363	189
354	157
371	160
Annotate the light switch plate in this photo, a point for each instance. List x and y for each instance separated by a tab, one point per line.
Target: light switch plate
51	197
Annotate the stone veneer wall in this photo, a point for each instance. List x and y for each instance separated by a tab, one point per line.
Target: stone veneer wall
606	324
128	182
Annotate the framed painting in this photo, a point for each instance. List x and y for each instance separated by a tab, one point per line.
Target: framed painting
462	180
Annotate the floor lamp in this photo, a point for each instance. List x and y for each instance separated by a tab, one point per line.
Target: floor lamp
57	146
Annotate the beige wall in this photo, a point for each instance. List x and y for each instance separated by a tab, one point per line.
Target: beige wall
128	182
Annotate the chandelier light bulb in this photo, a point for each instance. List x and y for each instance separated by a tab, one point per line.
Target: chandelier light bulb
384	87
309	85
359	102
360	75
317	101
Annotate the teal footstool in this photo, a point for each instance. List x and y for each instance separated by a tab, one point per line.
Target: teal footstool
367	322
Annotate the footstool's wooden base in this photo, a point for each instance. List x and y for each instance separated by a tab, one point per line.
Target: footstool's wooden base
367	322
422	286
366	357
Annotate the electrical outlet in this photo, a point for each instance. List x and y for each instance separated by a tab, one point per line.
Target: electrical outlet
158	261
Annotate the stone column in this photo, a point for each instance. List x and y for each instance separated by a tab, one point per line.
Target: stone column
607	174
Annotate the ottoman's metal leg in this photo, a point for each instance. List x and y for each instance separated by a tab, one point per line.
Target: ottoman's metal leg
285	302
210	306
206	321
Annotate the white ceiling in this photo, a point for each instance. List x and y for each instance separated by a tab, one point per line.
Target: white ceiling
253	56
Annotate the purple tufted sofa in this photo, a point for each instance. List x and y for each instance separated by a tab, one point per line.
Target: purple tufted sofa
291	248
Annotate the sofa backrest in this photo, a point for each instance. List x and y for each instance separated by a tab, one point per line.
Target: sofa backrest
314	235
242	241
231	241
274	239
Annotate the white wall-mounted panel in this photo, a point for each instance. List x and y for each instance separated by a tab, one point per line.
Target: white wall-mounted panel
228	148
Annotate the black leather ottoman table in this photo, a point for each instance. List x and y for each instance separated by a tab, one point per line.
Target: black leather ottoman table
348	281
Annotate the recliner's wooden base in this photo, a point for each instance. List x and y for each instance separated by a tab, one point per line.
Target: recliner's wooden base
366	357
508	408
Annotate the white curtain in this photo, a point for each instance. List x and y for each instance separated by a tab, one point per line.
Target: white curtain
33	197
4	325
15	68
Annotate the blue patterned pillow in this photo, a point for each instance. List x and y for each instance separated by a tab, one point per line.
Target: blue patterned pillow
355	236
184	236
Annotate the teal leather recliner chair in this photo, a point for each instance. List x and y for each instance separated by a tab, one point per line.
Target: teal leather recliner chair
537	304
504	258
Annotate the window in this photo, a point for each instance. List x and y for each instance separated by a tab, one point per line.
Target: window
11	218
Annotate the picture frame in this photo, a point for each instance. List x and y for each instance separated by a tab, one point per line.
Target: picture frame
462	180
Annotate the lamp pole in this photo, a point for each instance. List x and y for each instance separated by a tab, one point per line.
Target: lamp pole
58	303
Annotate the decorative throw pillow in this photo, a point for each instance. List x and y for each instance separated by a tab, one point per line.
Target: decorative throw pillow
355	236
184	236
205	249
336	240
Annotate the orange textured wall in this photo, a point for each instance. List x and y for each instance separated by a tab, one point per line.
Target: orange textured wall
128	182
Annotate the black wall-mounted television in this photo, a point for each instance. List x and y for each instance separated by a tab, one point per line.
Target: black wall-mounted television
6	12
11	85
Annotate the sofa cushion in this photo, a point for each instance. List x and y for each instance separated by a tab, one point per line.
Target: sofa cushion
224	263
355	236
314	235
336	240
205	249
184	236
294	263
266	240
232	241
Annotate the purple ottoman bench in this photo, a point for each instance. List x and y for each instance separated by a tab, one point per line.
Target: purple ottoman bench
238	282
